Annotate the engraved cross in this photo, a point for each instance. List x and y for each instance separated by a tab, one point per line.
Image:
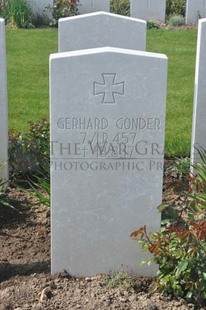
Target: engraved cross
109	89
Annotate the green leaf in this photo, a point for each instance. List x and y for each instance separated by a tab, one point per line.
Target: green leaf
189	295
161	207
181	267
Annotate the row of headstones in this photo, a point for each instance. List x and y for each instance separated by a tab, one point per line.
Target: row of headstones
143	9
107	138
108	101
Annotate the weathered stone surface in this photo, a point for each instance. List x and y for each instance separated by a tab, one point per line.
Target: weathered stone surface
149	9
107	141
3	105
199	109
89	6
195	9
101	29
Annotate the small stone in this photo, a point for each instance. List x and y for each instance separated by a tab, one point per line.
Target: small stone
123	299
45	294
88	279
151	305
132	298
37	306
51	284
107	302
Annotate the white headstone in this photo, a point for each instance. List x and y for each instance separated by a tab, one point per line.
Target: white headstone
3	105
149	9
195	9
101	29
199	109
89	6
107	140
39	7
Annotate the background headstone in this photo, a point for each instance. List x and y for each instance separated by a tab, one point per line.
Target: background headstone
101	29
3	104
38	7
89	6
199	109
149	9
107	141
195	9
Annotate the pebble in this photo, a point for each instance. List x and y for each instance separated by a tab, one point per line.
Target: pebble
108	302
132	298
88	279
123	299
45	293
37	306
151	305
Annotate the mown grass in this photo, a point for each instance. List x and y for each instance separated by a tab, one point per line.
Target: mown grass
28	74
28	70
180	47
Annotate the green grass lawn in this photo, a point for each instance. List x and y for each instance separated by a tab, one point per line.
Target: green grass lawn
28	75
180	48
28	70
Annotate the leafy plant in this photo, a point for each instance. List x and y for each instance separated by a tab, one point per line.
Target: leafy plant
17	13
121	280
29	151
3	183
62	8
179	248
198	196
176	20
175	7
152	25
41	190
180	167
180	253
121	7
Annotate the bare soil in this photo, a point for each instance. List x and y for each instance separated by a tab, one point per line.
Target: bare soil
25	280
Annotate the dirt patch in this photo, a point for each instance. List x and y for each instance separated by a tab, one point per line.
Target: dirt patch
25	280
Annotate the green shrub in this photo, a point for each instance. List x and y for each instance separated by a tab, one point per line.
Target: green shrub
180	253
121	7
176	20
3	183
179	247
29	151
17	13
152	25
63	8
175	7
41	187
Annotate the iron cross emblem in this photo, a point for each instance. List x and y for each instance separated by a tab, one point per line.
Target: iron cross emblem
109	89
